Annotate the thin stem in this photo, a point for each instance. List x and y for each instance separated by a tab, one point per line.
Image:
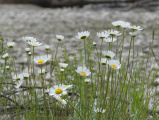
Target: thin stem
85	49
33	61
75	110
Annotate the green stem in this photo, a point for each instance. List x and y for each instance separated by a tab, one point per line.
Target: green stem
75	110
61	77
85	49
112	42
129	52
33	61
122	44
101	48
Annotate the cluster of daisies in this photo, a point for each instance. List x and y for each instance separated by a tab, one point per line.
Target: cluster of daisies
58	91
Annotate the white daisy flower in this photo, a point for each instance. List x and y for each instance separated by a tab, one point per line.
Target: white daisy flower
115	64
29	53
109	39
82	35
113	32
25	75
40	59
28	39
118	23
47	47
34	43
99	110
94	43
7	67
108	54
41	72
61	100
63	65
17	77
83	71
133	34
18	84
103	61
87	80
125	25
5	56
62	70
134	27
59	37
102	35
57	90
10	44
67	86
27	50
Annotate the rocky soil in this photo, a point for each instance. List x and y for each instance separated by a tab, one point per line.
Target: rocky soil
17	21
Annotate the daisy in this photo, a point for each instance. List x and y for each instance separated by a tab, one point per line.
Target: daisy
109	39
108	54
118	23
18	84
63	65
87	80
47	47
28	39
62	70
113	32
10	44
61	100
40	59
17	77
67	86
134	27
102	35
34	43
125	25
27	50
41	72
133	34
25	75
83	71
94	43
103	61
99	110
57	90
29	53
114	64
59	37
7	67
5	56
82	35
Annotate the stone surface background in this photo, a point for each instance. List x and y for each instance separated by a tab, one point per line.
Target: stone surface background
17	21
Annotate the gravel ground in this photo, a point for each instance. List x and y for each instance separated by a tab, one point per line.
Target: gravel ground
44	23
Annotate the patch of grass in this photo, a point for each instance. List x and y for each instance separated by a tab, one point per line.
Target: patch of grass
118	88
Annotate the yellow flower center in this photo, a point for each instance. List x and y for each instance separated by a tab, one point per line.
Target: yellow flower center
60	99
65	85
114	66
83	73
41	61
58	91
34	43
